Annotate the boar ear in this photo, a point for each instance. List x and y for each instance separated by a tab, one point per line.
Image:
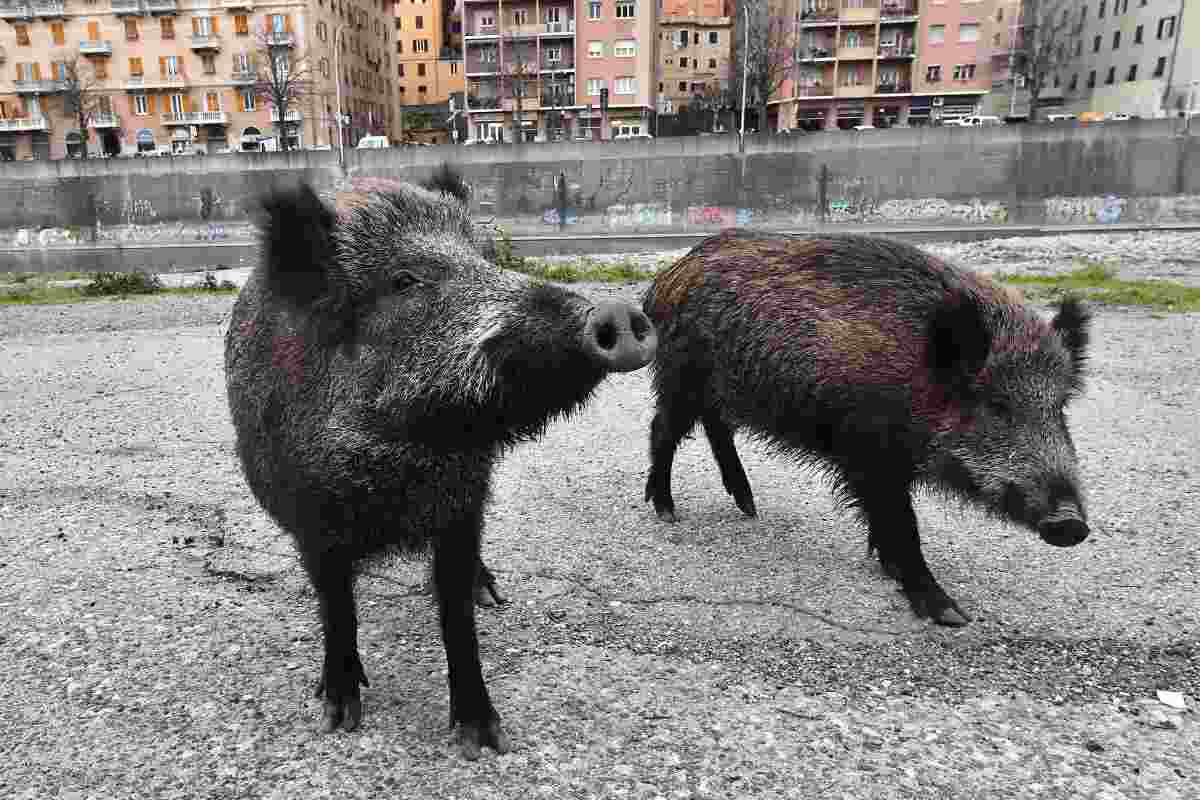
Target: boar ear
297	230
1072	324
446	179
959	342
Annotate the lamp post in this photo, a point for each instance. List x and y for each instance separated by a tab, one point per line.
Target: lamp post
745	74
337	82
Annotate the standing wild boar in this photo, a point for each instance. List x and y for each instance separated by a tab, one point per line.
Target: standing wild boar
880	363
377	366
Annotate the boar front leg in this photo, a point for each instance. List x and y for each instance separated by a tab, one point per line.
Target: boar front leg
333	580
892	528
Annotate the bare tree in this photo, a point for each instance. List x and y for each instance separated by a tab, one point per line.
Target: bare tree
82	97
767	60
1041	46
282	77
517	70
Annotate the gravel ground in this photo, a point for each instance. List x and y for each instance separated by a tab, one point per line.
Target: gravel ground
159	639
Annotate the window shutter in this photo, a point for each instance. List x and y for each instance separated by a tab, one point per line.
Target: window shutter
37	71
150	104
94	31
216	26
187	104
19	75
162	65
237	101
195	25
287	22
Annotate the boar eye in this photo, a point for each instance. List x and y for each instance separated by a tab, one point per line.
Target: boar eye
404	280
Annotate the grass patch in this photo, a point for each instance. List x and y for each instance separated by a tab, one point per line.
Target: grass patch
585	270
1099	283
113	285
28	278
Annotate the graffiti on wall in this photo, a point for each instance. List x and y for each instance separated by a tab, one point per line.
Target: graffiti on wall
637	215
935	209
719	216
550	216
1105	210
173	233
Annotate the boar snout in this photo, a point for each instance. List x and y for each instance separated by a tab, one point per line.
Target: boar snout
619	337
1065	527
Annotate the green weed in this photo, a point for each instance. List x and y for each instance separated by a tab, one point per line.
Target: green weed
1099	283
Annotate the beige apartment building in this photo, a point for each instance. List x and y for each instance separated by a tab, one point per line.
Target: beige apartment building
693	51
185	76
429	65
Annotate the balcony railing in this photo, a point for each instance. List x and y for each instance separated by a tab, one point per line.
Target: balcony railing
195	118
280	39
908	50
34	122
478	101
206	41
243	75
292	115
891	12
816	90
41	86
482	30
559	99
826	16
562	26
897	87
860	52
48	9
127	7
104	120
855	90
562	63
138	82
93	47
15	11
238	5
814	53
162	6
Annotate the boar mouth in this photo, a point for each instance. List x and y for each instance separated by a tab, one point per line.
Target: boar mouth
1063	526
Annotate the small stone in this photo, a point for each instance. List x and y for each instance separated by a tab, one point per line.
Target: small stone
1093	746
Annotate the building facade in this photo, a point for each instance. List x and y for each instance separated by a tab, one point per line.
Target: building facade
1009	95
540	70
429	58
1137	57
185	76
693	44
886	62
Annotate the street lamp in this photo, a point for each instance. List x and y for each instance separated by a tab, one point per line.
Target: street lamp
337	82
745	73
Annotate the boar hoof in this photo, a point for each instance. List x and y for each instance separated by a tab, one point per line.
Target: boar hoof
746	505
488	596
936	605
474	736
343	705
666	515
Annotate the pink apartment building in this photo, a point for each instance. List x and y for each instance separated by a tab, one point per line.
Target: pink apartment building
537	70
954	60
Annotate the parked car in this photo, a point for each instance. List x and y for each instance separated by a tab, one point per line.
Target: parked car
791	131
1060	118
1118	117
627	136
373	142
864	127
975	122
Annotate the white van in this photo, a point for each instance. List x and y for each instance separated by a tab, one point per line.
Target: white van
373	142
977	122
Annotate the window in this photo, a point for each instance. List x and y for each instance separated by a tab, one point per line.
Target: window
248	99
854	75
168	66
625	48
1078	47
853	39
933	73
594	10
683	86
714	37
595	49
520	17
322	29
325	67
1132	74
1110	77
1116	39
964	72
57	34
712	63
423	89
968	32
131	31
241	62
1000	15
241	26
100	67
594	85
400	67
626	9
487	21
553	54
937	34
1096	44
1057	81
421	46
1103	5
177	104
210	65
553	15
683	62
1160	66
1091	81
487	55
135	67
626	85
59	70
1074	82
140	107
1138	34
1166	27
420	25
420	70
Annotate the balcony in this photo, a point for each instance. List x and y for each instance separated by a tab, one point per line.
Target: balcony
196	118
238	5
34	122
562	64
95	48
865	15
855	90
558	99
139	83
828	16
561	28
243	76
162	6
482	32
49	9
104	120
815	54
292	115
478	102
14	11
895	87
38	86
907	50
205	42
281	39
523	31
127	7
897	12
815	90
856	53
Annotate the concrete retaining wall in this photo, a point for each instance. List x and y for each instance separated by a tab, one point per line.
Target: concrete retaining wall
1145	171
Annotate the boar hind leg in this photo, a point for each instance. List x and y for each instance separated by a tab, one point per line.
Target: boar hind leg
455	575
892	525
333	579
672	421
486	593
733	475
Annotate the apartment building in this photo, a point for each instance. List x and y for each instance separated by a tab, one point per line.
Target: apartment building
693	51
1009	95
429	67
540	70
1124	56
184	76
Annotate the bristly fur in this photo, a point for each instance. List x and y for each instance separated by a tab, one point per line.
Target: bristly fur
297	234
450	181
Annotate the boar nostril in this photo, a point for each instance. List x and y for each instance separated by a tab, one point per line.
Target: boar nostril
606	335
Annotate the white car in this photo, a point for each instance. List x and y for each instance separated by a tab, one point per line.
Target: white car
627	136
1060	118
975	122
1117	117
373	143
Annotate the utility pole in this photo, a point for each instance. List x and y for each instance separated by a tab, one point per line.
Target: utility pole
337	82
745	73
1014	29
